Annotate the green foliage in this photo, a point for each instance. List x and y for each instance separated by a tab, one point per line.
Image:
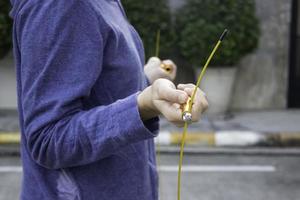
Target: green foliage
5	27
148	17
201	22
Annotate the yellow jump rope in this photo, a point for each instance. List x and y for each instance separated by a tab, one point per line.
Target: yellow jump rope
187	116
187	108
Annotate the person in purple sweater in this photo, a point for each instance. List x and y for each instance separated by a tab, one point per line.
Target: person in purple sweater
87	113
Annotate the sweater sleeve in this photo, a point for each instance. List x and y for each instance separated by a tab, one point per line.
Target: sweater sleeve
61	45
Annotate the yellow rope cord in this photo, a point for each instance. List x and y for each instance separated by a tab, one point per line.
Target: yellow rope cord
190	109
181	159
157	43
203	72
158	142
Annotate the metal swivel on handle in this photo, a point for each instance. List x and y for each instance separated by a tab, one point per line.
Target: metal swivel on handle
186	111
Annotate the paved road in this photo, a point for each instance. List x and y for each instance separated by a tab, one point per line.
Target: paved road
234	178
208	177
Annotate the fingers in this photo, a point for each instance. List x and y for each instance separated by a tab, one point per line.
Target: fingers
171	69
155	69
170	111
167	99
168	92
154	61
183	86
169	62
152	69
200	103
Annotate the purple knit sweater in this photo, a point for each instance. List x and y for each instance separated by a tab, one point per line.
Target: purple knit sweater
79	66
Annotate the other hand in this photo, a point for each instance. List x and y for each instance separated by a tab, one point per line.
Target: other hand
155	69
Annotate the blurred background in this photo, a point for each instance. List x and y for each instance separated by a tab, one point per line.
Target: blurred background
247	144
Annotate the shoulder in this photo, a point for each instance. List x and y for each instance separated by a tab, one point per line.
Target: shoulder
56	7
57	18
57	11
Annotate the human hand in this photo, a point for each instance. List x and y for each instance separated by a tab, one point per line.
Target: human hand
155	69
162	97
200	103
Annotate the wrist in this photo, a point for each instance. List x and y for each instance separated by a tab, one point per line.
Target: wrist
145	105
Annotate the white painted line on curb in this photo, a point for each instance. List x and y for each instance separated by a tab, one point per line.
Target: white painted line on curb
219	168
164	138
188	168
7	169
237	138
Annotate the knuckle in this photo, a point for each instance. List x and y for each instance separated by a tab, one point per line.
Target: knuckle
159	82
174	119
168	61
159	91
154	59
205	104
196	118
191	85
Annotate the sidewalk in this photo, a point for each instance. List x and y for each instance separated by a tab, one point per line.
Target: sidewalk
256	128
8	98
259	128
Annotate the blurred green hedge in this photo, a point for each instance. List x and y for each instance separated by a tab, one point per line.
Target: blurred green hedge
5	28
148	16
201	22
198	25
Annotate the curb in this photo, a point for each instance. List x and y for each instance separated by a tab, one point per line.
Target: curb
206	139
230	139
9	138
247	151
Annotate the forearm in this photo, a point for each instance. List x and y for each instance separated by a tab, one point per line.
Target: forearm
88	136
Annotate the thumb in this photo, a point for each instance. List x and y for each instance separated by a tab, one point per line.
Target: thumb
172	95
154	61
